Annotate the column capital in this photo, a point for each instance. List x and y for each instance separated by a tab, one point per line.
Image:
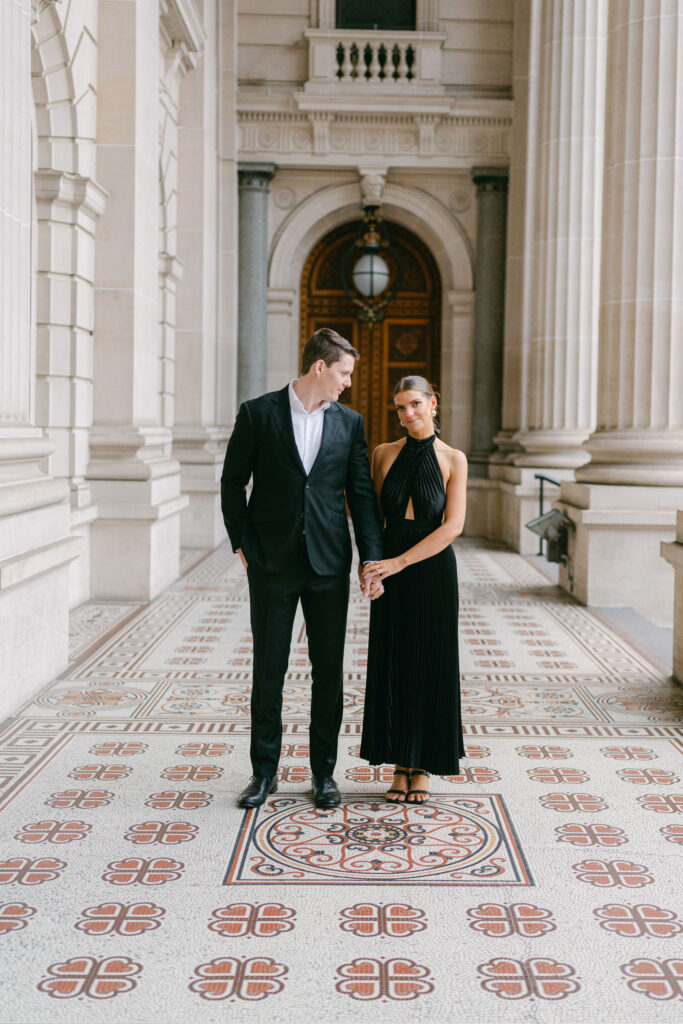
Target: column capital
256	176
490	179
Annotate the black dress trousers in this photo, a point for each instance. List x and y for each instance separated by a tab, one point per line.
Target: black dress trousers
324	600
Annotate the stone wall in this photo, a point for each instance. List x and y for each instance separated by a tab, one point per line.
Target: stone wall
99	184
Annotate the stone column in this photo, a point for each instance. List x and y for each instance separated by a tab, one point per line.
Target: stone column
135	482
553	279
489	301
517	488
226	305
672	551
520	219
252	310
198	440
35	547
561	395
624	502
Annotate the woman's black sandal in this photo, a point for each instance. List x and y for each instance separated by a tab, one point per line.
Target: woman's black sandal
402	792
418	792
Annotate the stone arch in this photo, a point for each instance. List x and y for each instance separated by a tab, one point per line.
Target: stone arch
441	232
64	98
414	209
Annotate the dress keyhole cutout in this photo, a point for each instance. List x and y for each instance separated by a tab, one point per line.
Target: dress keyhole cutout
410	511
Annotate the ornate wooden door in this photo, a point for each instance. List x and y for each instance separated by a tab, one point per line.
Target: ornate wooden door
407	341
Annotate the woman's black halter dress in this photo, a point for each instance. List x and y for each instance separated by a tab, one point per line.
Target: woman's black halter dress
412	697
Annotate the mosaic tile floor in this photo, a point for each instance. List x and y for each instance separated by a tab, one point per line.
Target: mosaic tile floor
134	891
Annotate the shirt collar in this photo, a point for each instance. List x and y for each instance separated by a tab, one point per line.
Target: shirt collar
298	406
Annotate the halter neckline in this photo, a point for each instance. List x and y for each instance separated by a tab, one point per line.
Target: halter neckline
420	442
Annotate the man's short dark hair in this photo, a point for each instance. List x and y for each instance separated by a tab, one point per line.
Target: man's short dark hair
327	345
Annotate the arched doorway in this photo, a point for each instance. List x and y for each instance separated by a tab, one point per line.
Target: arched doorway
407	341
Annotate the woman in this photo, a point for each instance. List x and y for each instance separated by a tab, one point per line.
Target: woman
412	701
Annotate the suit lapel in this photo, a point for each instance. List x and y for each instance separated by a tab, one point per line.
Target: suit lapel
282	417
331	419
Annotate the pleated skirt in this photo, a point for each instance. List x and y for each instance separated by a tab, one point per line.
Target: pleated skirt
412	698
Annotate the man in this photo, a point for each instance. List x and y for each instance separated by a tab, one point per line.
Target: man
305	453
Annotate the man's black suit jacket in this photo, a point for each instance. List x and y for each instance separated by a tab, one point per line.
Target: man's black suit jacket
286	503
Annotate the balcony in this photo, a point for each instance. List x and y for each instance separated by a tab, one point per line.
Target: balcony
374	64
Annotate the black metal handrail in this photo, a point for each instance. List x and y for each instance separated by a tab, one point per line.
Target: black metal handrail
551	480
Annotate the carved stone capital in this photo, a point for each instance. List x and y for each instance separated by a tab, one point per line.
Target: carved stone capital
490	179
255	177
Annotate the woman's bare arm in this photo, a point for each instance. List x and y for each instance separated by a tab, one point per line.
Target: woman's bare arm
439	539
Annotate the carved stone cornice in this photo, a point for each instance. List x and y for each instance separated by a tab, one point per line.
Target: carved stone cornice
181	34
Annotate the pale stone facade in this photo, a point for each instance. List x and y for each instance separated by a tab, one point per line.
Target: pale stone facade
514	136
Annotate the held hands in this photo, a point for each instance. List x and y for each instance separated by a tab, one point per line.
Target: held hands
369	589
375	572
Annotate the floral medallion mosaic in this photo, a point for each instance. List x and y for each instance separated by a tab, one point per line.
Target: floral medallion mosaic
454	840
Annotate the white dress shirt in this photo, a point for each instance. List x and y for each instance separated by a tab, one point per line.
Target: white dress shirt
308	428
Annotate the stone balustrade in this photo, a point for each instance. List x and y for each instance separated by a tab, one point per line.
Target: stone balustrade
388	62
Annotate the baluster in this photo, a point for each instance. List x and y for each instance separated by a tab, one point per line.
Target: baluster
375	66
402	69
339	61
411	61
347	65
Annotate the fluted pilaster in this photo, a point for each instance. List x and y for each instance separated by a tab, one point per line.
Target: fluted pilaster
639	439
520	221
561	389
15	212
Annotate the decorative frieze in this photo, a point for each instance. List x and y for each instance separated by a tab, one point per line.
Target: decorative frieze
320	125
443	139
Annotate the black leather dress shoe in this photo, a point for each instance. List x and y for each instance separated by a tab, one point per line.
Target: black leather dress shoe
258	790
326	792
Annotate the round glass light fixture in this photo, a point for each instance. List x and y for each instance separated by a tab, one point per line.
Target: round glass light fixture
370	275
367	285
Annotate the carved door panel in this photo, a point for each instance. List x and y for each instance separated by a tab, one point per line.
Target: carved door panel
407	340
